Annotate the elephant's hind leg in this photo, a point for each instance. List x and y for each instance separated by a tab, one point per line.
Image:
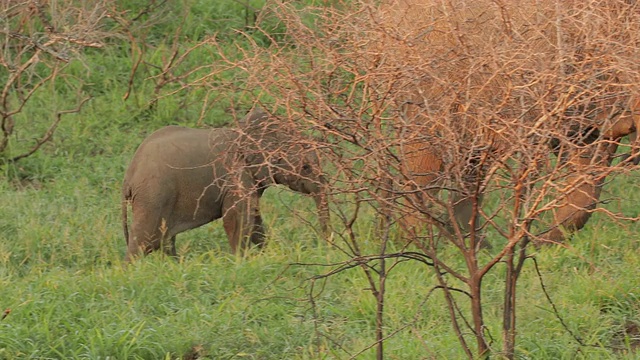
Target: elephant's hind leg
149	233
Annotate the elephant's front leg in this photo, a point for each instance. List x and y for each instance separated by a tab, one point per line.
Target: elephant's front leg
579	203
169	247
241	218
258	233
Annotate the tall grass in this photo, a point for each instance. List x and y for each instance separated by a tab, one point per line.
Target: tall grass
71	297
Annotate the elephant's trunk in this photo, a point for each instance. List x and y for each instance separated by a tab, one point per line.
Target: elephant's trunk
321	198
323	212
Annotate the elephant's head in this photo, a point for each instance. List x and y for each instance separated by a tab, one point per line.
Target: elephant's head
279	155
301	172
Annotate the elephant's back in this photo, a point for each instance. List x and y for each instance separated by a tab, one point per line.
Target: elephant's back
185	146
183	136
176	148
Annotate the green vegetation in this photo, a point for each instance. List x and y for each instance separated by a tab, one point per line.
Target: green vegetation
69	296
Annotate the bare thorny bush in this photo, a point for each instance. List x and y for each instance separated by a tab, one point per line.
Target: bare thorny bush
423	109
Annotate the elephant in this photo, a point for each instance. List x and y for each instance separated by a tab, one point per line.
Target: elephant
578	204
182	178
422	163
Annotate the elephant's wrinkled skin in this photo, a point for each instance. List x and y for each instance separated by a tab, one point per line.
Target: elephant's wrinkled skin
182	178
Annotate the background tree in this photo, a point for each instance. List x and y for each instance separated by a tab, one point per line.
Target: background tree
41	43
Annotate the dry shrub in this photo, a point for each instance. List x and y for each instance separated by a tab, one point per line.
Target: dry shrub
484	72
466	83
423	106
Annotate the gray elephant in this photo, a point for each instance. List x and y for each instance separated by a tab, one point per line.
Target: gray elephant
182	178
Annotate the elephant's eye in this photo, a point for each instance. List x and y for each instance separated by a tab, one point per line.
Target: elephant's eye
306	167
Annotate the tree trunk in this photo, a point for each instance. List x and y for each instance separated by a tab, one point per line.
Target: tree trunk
475	287
509	310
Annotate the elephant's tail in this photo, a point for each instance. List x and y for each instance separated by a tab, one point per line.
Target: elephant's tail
126	198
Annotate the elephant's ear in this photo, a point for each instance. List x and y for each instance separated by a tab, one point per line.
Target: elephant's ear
254	118
260	125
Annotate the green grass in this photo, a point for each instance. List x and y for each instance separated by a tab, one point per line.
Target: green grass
71	297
